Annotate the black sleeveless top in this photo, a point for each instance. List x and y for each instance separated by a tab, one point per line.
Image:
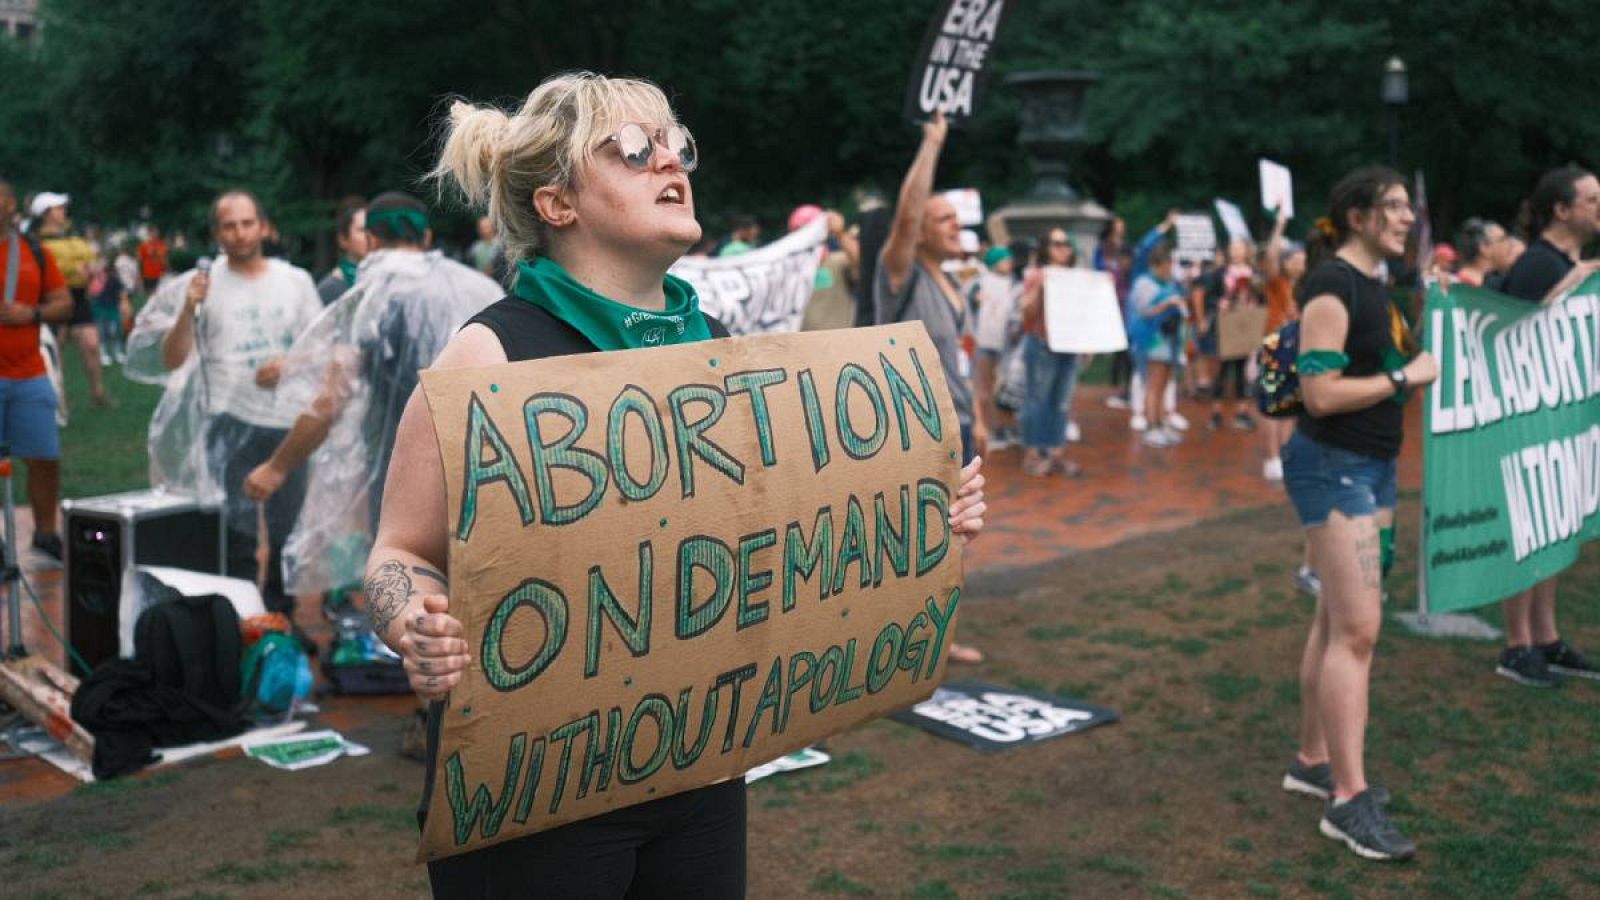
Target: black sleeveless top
528	332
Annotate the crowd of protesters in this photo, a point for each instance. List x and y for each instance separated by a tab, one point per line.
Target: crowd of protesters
984	305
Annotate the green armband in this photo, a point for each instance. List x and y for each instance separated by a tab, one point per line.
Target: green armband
1320	362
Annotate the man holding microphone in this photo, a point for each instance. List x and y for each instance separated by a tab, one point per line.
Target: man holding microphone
238	318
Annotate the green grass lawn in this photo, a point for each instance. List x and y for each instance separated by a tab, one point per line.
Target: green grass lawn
103	450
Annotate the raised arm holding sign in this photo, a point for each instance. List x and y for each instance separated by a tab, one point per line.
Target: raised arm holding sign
636	608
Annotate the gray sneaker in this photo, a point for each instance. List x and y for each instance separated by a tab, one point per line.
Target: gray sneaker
1526	666
1561	659
1366	829
1313	781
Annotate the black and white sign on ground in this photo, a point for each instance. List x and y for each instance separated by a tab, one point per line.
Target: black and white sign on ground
993	718
953	64
1081	311
764	290
1197	238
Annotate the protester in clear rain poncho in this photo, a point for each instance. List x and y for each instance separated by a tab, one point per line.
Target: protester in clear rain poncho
346	380
216	338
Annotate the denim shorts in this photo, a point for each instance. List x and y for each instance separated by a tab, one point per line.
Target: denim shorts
28	418
1321	479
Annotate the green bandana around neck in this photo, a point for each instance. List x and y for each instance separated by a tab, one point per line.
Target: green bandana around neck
610	325
347	269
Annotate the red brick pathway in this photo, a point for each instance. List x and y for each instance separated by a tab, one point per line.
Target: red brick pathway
1127	490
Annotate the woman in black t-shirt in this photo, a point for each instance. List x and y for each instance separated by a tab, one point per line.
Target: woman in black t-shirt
1339	470
588	185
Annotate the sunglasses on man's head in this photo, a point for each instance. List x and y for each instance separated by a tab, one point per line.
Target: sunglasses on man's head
637	145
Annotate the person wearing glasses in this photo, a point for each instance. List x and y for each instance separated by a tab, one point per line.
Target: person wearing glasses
588	186
1339	470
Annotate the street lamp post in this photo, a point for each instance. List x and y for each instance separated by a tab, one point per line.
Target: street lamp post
1395	91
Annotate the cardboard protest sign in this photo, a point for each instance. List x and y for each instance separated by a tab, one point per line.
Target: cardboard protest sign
953	64
1197	238
992	718
1232	220
1081	312
1240	330
675	564
1277	189
764	290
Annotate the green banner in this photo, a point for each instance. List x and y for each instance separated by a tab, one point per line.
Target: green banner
1511	442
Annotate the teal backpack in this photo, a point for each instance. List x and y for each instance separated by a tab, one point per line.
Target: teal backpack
276	674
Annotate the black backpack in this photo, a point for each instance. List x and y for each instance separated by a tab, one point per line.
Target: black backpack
190	643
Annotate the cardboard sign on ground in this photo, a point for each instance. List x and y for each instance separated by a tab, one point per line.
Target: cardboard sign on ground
992	718
676	564
1081	311
1240	330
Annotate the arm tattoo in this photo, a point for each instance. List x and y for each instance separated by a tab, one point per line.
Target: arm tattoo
388	589
426	572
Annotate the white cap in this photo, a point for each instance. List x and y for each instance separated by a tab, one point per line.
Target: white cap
46	201
969	241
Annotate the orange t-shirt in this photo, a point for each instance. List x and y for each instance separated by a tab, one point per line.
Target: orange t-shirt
1280	303
19	344
153	259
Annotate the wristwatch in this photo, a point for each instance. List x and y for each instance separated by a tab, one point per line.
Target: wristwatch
38	316
1397	377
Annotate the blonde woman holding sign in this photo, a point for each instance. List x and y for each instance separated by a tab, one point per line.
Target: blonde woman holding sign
588	184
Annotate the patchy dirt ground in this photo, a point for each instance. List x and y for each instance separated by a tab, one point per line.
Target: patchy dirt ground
1193	636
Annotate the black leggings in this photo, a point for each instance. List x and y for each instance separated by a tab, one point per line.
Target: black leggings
689	845
1231	369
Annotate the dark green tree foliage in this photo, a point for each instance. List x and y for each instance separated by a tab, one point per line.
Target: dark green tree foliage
159	103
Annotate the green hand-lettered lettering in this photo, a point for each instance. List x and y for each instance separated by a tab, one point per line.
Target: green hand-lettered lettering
483	434
634	400
684	756
563	454
483	807
735	679
932	493
657	707
926	411
752	581
798	679
853	547
713	556
896	542
633	629
815	430
941	625
889	639
530	787
846	693
771	698
543	598
602	753
691	438
855	445
830	663
565	734
803	558
755	383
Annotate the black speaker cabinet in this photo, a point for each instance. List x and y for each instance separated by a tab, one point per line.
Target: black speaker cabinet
105	537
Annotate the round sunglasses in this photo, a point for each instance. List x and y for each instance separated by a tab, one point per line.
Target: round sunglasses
637	145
